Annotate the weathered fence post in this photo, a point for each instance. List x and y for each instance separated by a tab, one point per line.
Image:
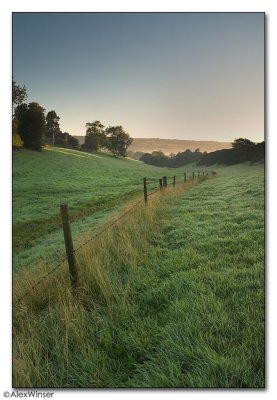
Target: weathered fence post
161	183
203	174
74	278
193	175
174	180
164	180
145	190
198	174
185	177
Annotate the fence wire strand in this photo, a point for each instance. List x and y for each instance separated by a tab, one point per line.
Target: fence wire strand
108	226
74	251
60	262
19	299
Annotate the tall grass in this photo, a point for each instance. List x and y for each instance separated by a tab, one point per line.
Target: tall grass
171	296
108	266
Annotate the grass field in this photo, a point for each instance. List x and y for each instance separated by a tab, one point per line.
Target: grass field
94	185
172	296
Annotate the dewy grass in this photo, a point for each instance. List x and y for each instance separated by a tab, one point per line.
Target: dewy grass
172	296
93	186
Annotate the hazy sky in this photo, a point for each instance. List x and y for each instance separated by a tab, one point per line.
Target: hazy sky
168	75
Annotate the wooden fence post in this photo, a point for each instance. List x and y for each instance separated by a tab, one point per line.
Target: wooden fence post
74	278
203	173
145	190
161	183
185	177
164	180
174	180
193	175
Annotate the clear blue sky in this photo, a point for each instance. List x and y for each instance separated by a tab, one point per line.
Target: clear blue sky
168	75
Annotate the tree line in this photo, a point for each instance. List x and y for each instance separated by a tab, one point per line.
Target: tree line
32	129
242	150
112	138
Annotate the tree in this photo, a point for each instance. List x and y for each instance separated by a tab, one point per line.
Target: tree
31	125
72	141
117	140
17	117
19	94
52	126
242	144
95	136
157	158
16	139
243	150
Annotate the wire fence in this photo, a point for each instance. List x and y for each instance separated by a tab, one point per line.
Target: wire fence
60	262
68	256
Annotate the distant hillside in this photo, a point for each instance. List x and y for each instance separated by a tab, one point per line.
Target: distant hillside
147	145
168	146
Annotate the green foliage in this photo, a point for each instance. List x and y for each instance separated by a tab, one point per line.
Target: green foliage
60	139
53	132
113	138
243	150
16	139
95	136
31	125
72	141
19	94
117	140
242	144
173	161
135	155
156	158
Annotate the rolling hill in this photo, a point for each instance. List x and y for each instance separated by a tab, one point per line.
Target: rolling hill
94	185
147	145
